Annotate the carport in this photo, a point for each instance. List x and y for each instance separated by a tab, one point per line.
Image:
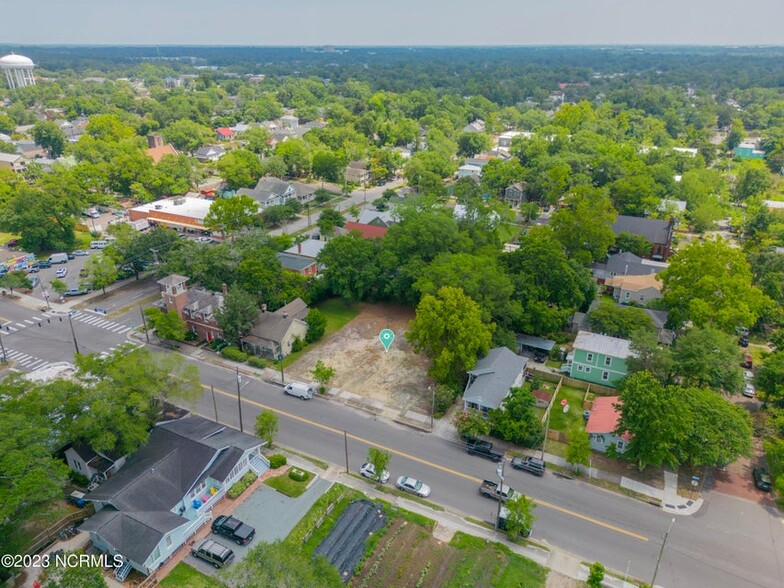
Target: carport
535	347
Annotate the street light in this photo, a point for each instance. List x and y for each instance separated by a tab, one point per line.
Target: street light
661	552
432	405
500	472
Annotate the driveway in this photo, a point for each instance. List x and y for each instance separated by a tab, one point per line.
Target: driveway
272	514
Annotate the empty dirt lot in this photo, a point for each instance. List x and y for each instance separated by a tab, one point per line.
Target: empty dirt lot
397	377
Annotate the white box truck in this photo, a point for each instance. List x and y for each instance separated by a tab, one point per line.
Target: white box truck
299	390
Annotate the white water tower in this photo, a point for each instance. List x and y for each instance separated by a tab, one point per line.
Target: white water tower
18	70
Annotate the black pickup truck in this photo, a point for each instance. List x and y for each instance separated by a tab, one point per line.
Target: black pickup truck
483	449
234	529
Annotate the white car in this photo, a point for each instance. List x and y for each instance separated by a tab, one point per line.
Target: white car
368	470
413	486
61	272
748	375
81	253
749	391
204	240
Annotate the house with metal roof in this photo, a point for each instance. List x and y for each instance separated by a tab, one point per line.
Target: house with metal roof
166	491
598	358
492	378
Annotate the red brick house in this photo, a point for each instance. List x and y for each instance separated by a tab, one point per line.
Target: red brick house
195	306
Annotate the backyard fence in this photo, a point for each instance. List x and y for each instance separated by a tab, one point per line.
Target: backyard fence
324	516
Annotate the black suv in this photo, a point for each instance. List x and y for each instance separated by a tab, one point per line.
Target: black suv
234	529
529	464
762	479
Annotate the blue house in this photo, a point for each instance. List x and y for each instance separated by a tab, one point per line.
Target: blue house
167	489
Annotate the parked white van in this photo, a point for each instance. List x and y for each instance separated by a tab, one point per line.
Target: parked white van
299	390
98	244
58	258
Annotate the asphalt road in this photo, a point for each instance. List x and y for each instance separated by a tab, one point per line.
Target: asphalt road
359	197
729	542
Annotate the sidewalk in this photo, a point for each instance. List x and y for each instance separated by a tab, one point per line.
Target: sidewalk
670	501
450	521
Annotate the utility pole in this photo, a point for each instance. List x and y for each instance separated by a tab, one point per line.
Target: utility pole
147	334
280	360
214	404
432	406
239	398
500	472
661	552
345	445
5	357
73	333
547	427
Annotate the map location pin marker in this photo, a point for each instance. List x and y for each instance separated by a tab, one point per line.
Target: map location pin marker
386	337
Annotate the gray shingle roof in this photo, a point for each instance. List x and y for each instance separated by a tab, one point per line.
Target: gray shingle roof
493	376
134	535
656	231
628	264
178	455
273	326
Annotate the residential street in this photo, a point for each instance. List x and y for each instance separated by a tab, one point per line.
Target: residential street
360	196
730	542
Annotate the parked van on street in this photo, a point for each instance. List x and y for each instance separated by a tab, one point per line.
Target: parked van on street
299	390
98	244
58	258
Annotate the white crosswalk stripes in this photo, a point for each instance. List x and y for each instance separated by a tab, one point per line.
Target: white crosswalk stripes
100	322
26	361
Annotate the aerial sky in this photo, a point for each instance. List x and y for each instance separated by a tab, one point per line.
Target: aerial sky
393	22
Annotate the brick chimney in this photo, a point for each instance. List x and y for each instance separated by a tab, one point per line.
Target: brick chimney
299	248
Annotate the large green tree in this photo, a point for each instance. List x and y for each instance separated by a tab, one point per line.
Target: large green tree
708	357
448	326
584	226
100	272
350	266
548	285
516	420
49	136
770	378
240	168
618	321
673	425
187	135
709	283
230	215
237	315
43	220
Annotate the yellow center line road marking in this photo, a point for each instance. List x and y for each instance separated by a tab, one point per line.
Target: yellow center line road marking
428	463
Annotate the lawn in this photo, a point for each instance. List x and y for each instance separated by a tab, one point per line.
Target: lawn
338	314
285	485
482	563
184	575
5	237
560	421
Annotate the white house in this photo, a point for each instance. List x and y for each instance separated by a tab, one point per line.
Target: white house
166	491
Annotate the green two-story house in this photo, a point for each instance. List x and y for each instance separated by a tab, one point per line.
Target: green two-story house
598	358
